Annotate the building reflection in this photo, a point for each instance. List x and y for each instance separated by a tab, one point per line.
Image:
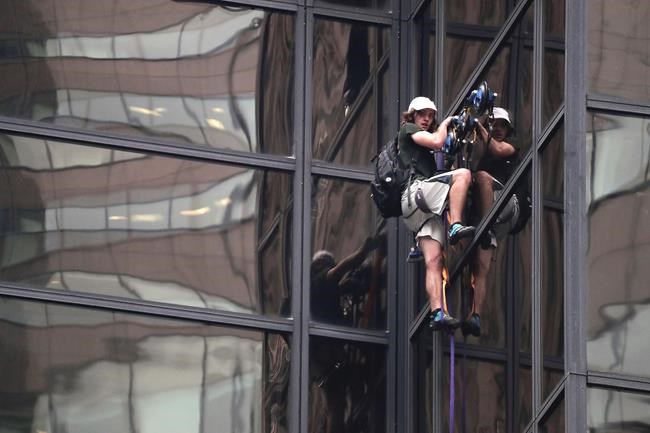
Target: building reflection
79	370
189	73
144	227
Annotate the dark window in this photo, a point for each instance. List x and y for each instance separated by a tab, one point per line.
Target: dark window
618	158
350	101
552	274
140	226
347	386
193	74
77	369
348	267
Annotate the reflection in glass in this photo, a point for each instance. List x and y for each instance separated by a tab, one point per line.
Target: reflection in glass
140	226
480	389
610	411
426	50
351	60
552	272
553	70
188	73
77	370
555	422
618	196
480	12
361	4
524	397
347	387
348	268
612	70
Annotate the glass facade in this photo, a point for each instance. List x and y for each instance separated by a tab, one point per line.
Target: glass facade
187	241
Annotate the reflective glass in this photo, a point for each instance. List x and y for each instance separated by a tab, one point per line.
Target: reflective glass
383	5
422	389
351	60
524	397
618	198
555	422
479	12
191	73
552	273
480	391
348	268
618	56
76	370
553	70
140	226
347	386
426	51
611	411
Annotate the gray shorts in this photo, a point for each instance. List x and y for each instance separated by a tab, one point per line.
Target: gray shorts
435	191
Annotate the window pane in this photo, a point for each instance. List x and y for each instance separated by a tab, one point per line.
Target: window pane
194	74
618	152
610	411
553	70
552	273
480	389
619	49
555	422
348	268
347	386
383	5
140	226
481	12
82	370
350	62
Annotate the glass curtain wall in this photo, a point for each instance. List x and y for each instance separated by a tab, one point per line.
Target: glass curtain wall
617	209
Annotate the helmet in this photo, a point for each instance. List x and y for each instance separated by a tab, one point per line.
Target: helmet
422	103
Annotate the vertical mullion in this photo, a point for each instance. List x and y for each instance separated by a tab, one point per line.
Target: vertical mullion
575	229
537	355
302	321
394	304
437	349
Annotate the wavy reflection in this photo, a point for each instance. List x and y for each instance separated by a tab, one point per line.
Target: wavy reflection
89	370
138	226
193	74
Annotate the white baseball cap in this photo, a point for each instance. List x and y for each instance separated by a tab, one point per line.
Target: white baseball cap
422	103
500	113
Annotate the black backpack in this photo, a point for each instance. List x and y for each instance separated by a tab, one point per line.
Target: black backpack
390	174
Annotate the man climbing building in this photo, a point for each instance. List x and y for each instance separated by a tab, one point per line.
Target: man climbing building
426	195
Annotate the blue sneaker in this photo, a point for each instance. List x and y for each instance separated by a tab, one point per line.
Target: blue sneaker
438	320
457	231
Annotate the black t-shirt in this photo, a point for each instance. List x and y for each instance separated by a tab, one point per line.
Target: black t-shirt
499	168
409	150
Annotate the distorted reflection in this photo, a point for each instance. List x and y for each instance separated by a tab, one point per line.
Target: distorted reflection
348	268
76	370
350	75
481	396
185	72
618	152
613	71
146	227
347	387
610	411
